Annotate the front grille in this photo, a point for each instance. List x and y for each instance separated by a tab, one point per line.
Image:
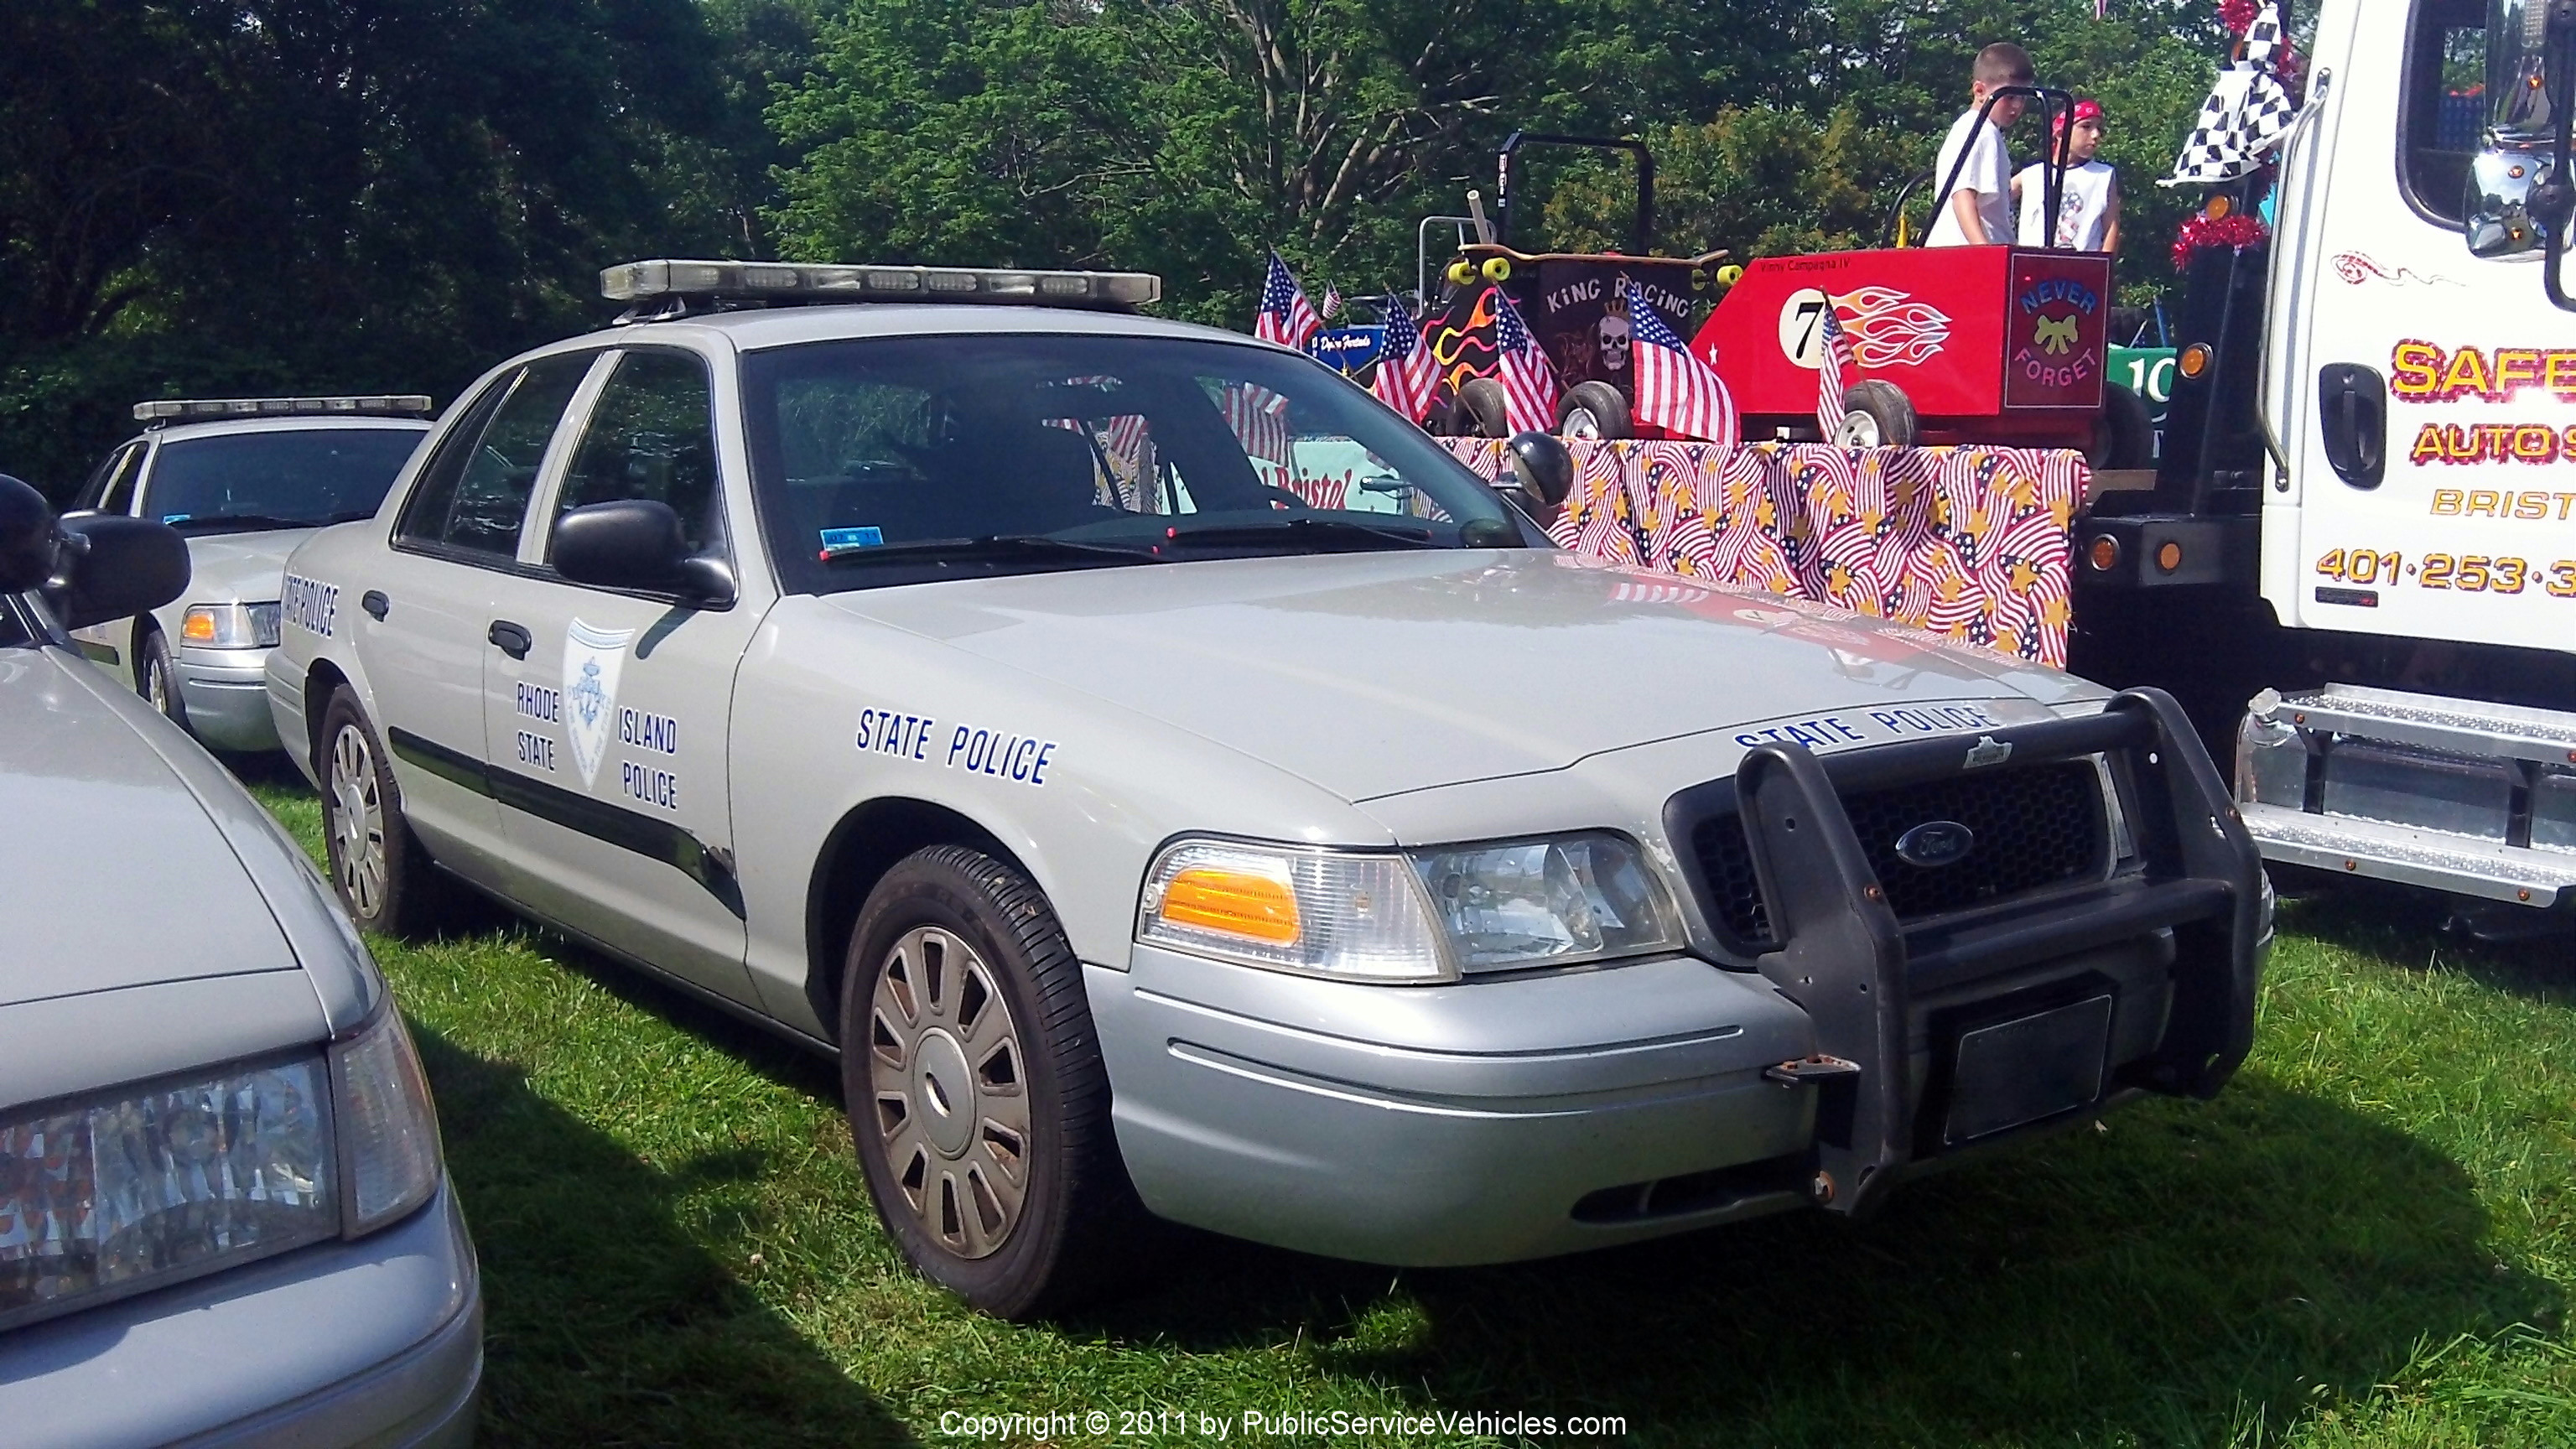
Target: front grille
2035	828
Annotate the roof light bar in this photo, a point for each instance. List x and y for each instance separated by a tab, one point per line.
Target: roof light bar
407	404
793	282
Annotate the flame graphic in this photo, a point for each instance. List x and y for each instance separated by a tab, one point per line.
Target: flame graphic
1889	328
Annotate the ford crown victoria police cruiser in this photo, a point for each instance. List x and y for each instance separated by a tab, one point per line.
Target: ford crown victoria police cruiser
245	479
1176	787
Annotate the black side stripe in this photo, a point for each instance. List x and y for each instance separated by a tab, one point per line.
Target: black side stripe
626	829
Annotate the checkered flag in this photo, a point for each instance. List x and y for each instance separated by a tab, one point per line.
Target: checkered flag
2247	112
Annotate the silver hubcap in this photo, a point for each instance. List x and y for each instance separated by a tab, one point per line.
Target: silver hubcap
1859	430
1580	423
357	822
951	1100
156	684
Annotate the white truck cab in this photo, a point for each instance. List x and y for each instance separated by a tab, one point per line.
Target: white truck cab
2365	520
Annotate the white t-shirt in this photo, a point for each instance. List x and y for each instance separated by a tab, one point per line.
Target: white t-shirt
1988	173
2083	212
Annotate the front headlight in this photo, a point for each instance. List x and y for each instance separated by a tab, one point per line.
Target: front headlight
1419	916
230	626
146	1186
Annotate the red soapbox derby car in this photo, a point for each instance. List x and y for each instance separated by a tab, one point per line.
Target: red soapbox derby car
1995	344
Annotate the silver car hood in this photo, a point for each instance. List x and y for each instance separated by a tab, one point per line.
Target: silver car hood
158	920
1375	673
246	568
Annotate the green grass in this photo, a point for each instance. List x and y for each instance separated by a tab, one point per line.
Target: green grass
2369	1240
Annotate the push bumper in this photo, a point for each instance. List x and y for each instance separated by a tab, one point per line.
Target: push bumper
226	693
1945	1034
377	1342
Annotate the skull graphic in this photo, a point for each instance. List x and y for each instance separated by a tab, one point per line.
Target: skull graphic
1614	342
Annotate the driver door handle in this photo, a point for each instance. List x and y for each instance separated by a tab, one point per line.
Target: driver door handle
512	639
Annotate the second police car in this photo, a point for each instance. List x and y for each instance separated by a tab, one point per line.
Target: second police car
1177	788
244	480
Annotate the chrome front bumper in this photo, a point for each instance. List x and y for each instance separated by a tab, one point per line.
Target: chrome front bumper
226	694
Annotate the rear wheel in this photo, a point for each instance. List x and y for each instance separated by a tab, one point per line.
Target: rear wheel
976	1093
1593	410
1876	415
2124	436
1486	410
378	867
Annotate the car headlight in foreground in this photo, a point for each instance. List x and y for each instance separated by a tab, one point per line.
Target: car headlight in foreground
1413	916
230	626
142	1186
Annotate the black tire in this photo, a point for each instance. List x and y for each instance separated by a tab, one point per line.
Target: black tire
2125	436
1876	415
156	674
1593	410
379	869
946	937
1485	410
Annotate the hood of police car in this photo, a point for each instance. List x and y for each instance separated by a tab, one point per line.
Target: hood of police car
115	876
240	568
1370	674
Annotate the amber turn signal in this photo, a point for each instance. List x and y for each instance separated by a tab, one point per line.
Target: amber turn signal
1238	903
2194	360
2104	554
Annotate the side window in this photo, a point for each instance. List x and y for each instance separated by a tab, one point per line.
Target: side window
111	488
474	494
2443	114
652	436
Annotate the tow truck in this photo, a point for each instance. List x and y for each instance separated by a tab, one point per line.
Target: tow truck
2364	518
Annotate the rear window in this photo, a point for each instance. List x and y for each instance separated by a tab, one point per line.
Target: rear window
286	479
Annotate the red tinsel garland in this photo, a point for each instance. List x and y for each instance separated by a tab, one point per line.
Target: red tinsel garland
2238	15
2237	229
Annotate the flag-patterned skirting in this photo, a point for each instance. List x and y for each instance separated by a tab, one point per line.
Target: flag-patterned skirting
1976	543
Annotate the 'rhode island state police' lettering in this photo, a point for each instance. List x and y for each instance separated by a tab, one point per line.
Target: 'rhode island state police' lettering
1868	727
1015	757
310	605
648	731
888	732
658	788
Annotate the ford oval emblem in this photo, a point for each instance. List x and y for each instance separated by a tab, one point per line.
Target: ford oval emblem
1935	843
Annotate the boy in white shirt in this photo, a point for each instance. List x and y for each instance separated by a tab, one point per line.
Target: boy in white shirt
1978	209
2088	210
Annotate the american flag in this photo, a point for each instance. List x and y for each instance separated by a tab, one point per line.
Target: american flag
1676	391
1286	317
1331	304
1406	375
1834	361
1259	418
1527	379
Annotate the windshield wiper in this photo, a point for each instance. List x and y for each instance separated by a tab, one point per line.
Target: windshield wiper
1325	533
991	548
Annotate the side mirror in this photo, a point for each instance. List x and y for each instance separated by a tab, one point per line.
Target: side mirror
116	567
636	543
1545	468
91	567
2500	220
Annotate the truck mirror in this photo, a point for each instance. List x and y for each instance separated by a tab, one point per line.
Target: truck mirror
2499	210
26	537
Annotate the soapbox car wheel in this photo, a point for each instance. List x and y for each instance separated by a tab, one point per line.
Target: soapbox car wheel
978	1100
1875	415
1484	409
1593	410
2124	436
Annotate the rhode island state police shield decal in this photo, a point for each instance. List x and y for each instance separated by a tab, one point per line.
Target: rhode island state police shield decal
593	658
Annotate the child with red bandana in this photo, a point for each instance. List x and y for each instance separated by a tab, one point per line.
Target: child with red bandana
2088	212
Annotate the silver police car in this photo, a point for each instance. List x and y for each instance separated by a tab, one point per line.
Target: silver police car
1175	787
223	1214
244	480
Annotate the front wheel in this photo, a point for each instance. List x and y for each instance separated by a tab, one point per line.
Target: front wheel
1485	409
977	1097
156	675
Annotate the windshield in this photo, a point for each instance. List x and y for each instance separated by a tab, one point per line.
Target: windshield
282	479
895	460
